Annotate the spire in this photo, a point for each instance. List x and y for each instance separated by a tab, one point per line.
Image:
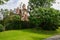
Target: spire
20	6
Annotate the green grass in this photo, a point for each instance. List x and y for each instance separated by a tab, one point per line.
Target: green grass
27	34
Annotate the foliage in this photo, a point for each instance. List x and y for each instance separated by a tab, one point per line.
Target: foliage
40	3
45	18
2	1
12	22
1	27
26	25
1	21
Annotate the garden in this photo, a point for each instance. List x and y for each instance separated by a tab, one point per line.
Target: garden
43	23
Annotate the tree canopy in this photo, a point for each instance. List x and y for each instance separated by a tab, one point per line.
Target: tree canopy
2	1
40	3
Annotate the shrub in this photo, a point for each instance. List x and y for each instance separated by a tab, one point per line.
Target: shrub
25	24
1	22
12	22
45	18
1	27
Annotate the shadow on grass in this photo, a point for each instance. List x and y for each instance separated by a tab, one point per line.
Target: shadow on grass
38	31
37	38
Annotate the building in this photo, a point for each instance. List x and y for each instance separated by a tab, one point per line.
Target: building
23	12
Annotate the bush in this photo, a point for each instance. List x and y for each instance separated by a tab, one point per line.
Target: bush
1	22
1	27
25	24
45	18
12	22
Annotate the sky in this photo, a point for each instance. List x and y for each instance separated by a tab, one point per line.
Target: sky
56	5
11	4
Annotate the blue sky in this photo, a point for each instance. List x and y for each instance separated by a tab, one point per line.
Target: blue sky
11	4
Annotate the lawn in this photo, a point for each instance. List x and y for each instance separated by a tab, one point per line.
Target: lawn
27	34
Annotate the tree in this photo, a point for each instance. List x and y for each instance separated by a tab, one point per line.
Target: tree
40	3
3	1
34	5
41	15
45	18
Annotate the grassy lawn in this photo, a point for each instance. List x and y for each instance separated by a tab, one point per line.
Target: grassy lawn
27	34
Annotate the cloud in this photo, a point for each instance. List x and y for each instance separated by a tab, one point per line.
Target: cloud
11	4
57	5
23	2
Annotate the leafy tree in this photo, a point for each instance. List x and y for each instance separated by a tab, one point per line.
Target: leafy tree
45	18
3	1
40	3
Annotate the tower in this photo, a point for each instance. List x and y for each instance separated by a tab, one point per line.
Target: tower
22	12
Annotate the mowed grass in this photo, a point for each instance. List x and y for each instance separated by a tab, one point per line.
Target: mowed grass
27	34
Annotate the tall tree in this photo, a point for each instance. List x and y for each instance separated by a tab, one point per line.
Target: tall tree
40	3
3	1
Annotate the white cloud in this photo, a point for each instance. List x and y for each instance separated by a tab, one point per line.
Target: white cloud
23	2
57	5
11	4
